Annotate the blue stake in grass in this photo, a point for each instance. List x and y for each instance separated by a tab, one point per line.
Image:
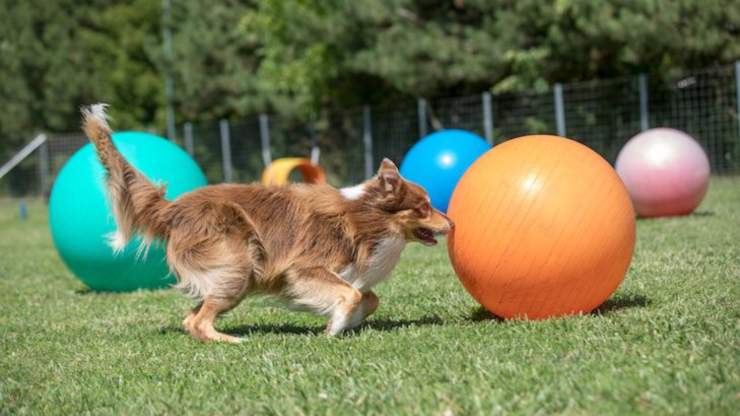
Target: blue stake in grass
23	210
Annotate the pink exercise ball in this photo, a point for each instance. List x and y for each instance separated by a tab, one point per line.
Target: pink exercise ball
665	171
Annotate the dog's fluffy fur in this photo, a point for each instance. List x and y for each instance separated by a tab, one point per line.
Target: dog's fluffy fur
313	246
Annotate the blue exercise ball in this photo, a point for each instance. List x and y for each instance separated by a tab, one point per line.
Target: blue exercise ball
438	161
80	217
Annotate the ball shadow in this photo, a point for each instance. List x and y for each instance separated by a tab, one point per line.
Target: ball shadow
482	314
617	304
699	214
610	306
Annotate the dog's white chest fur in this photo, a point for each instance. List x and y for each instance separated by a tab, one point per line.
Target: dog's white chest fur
381	263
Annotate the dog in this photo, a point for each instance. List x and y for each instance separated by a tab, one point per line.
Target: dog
314	247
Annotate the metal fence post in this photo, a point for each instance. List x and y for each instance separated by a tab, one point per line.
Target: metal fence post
315	150
44	166
169	86
737	91
559	110
188	134
367	140
487	117
421	108
644	114
226	150
265	139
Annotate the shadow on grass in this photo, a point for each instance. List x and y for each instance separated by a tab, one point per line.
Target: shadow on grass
693	214
392	324
376	324
622	302
610	306
274	329
482	314
291	329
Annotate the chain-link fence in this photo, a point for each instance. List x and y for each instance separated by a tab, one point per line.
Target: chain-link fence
602	114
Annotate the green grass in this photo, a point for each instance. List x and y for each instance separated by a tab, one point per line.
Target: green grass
666	342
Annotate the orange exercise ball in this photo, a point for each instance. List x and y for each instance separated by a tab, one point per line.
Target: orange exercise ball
544	227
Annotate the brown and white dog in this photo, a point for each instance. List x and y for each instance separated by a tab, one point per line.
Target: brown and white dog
313	246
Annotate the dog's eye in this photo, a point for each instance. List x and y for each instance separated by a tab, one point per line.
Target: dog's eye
424	209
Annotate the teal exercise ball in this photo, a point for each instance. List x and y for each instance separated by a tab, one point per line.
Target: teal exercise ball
438	161
80	217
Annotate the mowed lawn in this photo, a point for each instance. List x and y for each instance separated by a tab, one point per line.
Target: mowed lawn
666	342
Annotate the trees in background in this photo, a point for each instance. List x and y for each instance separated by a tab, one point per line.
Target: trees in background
214	60
312	57
56	56
316	51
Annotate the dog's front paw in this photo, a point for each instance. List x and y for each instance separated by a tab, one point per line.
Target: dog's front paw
333	329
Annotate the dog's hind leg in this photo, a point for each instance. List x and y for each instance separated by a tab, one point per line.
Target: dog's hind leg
201	324
219	274
324	292
221	288
217	259
191	314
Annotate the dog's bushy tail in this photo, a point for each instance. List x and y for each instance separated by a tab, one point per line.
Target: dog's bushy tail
138	205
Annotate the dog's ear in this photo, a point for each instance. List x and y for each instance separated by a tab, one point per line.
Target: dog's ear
388	176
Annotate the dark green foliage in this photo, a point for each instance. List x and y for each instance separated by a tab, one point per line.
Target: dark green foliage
366	50
214	61
313	58
59	55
